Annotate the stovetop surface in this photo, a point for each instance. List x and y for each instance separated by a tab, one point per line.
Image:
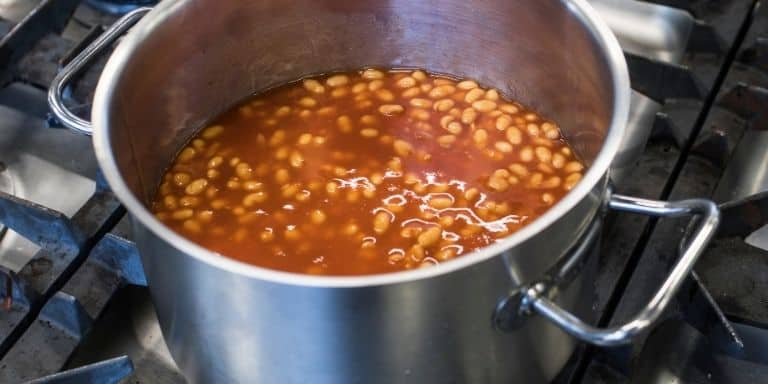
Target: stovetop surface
75	295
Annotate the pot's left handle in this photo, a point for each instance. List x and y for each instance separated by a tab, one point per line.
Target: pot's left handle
81	61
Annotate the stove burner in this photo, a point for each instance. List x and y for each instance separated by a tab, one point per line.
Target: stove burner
119	7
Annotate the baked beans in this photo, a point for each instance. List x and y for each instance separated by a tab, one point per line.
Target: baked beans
366	172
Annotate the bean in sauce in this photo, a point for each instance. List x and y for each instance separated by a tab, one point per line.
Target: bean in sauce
365	172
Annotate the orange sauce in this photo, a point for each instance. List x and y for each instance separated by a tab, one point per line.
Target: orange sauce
365	172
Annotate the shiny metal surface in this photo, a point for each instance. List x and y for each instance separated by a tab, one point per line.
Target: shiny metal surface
39	161
650	30
642	114
655	32
746	179
111	371
510	314
747	171
16	10
708	217
80	62
129	326
225	321
758	238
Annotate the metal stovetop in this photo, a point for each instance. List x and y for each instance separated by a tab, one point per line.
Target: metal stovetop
75	295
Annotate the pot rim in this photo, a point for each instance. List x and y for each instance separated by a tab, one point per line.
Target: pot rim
108	83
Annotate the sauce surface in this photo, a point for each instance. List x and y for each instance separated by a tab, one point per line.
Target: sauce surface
365	172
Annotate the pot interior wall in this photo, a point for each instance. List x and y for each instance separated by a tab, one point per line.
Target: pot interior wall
198	57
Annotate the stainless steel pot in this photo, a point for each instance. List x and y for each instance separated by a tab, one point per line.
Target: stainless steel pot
226	321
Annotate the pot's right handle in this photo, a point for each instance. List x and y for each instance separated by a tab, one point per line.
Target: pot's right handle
73	69
534	299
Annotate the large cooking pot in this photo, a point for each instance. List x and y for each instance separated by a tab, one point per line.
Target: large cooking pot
466	320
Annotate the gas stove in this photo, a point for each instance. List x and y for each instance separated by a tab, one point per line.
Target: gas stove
74	300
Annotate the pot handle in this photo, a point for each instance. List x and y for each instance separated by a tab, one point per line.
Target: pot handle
534	299
81	61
